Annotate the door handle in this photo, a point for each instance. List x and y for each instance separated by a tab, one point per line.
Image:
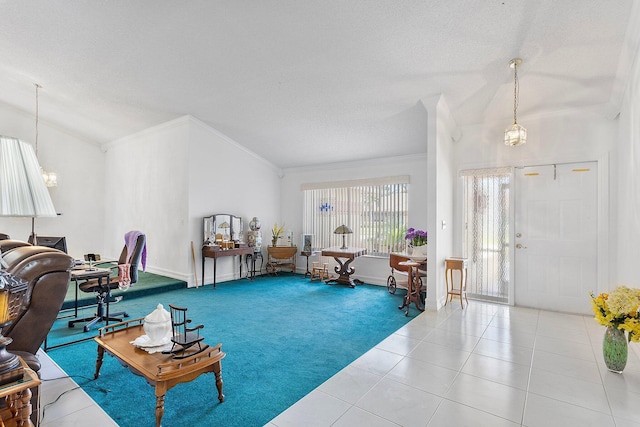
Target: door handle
519	246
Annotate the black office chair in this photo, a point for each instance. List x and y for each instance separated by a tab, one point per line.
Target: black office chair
103	289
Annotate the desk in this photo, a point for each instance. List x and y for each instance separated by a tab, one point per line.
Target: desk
210	252
160	370
17	396
414	285
344	271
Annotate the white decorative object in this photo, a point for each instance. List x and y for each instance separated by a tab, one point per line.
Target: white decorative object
417	253
157	326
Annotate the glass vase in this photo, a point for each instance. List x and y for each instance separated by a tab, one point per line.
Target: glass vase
614	349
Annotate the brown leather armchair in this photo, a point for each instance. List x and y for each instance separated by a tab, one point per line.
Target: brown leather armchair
47	271
8	244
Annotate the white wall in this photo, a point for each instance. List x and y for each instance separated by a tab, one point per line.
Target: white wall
570	136
226	178
626	175
440	194
79	199
146	189
164	180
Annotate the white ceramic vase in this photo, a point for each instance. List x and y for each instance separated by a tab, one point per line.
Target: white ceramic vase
417	253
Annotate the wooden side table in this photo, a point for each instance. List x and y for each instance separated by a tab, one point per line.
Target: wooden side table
280	257
344	257
413	287
451	265
307	254
18	399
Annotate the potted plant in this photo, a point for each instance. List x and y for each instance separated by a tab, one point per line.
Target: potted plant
416	244
619	311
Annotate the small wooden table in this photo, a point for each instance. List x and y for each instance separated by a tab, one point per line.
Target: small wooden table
160	370
413	287
17	396
210	252
344	270
459	264
280	257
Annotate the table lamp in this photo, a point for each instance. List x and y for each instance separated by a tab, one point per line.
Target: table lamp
13	291
343	229
225	237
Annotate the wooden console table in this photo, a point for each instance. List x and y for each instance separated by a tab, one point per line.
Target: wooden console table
211	252
281	257
17	396
344	270
160	370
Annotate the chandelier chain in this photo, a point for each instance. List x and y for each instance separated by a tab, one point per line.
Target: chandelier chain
515	92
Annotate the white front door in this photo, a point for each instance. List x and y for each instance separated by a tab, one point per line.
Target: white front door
556	236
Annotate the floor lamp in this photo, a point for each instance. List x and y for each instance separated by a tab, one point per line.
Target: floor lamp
23	192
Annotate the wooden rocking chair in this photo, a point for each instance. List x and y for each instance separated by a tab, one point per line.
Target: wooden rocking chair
184	337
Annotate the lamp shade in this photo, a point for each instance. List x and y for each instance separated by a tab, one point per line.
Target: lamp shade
343	229
22	189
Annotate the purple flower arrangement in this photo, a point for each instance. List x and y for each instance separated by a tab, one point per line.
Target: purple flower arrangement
416	237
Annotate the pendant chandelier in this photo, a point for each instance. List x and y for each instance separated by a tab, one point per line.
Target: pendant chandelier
50	178
515	134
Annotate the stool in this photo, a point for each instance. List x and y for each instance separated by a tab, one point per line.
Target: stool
459	264
319	273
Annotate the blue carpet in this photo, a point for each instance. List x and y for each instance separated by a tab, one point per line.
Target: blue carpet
283	337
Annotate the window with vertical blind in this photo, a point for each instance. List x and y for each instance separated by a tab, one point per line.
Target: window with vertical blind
486	232
375	209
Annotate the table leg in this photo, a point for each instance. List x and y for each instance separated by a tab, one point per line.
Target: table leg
203	270
99	362
217	370
76	303
215	264
344	273
159	409
307	273
23	408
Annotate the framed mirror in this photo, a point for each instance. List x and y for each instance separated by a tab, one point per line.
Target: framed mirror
223	227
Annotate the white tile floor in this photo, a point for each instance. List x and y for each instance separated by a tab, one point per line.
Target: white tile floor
487	365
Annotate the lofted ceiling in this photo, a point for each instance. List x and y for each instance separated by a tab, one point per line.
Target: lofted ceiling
299	81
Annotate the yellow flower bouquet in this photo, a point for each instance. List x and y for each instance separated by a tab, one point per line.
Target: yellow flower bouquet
619	309
276	233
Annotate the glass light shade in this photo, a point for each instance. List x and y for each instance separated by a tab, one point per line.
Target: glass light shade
23	192
50	178
515	135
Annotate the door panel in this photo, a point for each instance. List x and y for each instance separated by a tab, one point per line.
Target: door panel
556	253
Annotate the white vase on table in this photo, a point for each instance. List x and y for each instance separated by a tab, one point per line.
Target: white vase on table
417	253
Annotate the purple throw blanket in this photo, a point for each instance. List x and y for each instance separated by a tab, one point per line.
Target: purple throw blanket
130	239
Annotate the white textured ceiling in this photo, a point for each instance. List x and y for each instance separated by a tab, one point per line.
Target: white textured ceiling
300	81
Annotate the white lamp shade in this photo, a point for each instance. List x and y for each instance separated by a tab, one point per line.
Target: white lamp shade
22	189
